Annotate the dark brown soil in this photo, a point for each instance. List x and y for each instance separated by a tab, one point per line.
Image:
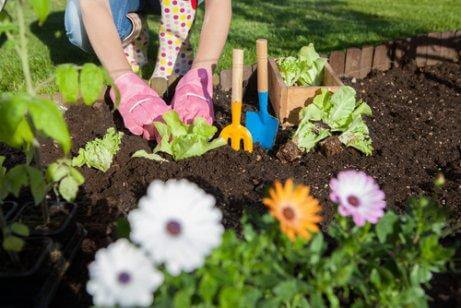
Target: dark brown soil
416	132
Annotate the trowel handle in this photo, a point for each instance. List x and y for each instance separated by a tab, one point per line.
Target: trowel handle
261	55
237	75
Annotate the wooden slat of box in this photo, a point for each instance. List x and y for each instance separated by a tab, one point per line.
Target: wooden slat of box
352	68
337	62
366	61
433	49
381	59
287	101
420	45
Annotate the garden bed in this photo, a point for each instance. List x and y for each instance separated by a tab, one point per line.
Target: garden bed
415	128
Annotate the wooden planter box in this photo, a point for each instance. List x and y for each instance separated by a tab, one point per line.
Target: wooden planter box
288	101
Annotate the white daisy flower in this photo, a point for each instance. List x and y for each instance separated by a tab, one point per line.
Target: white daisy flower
121	274
176	224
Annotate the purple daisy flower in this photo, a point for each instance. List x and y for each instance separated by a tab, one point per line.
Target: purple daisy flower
358	195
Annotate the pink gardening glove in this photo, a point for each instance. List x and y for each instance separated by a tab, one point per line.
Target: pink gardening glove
139	105
193	96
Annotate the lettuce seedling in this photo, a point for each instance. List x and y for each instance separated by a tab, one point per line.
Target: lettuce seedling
339	113
183	141
304	70
99	153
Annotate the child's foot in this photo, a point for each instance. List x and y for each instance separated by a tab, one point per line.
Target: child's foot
139	105
193	96
135	44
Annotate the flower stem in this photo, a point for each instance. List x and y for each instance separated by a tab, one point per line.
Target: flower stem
23	53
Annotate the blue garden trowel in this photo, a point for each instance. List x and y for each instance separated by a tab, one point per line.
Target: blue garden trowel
262	126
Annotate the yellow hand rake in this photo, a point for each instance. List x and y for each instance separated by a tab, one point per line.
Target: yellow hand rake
236	132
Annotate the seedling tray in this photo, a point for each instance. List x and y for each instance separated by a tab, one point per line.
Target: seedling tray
288	101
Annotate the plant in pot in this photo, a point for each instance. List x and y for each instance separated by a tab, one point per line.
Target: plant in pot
31	265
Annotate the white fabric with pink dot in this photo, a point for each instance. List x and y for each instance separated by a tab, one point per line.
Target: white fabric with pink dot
175	53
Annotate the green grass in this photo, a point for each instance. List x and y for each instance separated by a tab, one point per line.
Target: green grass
287	24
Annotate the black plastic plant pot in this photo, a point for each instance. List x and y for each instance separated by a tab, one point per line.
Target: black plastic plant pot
10	209
48	291
26	278
37	286
60	231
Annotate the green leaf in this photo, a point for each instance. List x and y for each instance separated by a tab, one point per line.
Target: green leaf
419	275
42	9
305	70
308	53
286	290
67	82
386	226
184	141
357	136
317	244
16	178
49	120
68	188
14	128
56	171
99	153
229	297
19	229
182	298
362	109
76	175
290	70
208	288
13	243
343	104
37	184
151	156
91	83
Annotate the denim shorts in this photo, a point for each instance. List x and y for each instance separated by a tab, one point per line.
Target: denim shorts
75	29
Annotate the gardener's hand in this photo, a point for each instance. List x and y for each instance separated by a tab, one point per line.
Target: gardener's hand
193	96
139	105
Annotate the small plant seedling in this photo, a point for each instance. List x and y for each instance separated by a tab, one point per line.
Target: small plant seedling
304	70
329	114
182	141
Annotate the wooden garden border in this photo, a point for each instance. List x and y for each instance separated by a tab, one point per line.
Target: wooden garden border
426	50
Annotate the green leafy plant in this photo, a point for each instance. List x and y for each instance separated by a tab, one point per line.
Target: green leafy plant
304	70
65	179
25	118
99	153
88	80
12	234
384	265
338	114
183	141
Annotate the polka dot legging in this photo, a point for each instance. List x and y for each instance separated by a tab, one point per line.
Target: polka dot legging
175	54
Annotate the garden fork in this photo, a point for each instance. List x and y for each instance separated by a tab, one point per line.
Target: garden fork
236	132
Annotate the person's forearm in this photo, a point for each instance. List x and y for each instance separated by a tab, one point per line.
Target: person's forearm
103	36
214	33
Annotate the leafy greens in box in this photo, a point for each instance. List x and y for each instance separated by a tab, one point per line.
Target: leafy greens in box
339	113
183	141
99	152
304	70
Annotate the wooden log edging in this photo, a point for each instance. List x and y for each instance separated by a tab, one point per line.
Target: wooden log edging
357	62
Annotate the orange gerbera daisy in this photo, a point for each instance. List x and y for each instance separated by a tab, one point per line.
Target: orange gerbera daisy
295	209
